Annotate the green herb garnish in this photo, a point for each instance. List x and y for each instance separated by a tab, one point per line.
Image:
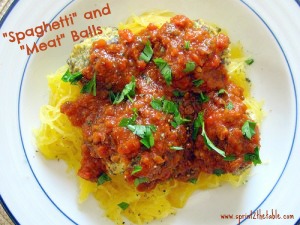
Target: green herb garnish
248	129
187	45
176	148
103	178
123	205
165	69
144	132
147	53
229	106
229	158
218	172
129	121
198	82
178	120
136	169
178	93
189	67
203	97
253	157
90	87
128	91
169	107
249	61
199	122
73	78
140	180
222	91
193	180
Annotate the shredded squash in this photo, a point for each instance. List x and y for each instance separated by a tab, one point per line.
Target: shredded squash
57	138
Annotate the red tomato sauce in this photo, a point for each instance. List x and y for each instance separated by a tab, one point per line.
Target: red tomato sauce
110	148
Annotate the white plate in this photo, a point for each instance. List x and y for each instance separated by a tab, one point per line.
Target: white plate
36	191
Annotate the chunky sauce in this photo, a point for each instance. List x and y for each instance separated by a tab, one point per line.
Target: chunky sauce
112	149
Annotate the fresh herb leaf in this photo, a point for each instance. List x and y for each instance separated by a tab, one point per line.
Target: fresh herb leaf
253	157
128	91
178	120
165	69
147	53
218	172
176	148
140	180
222	91
189	67
157	104
248	129
123	205
210	144
229	158
229	106
103	178
136	169
199	122
193	180
187	45
178	93
169	107
203	97
112	96
73	78
129	121
198	82
249	61
144	132
90	87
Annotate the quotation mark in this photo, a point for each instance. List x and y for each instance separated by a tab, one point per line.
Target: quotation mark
4	35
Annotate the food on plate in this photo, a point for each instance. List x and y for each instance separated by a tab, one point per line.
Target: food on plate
150	112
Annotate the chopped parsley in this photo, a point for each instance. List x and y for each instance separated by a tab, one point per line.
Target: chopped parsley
248	129
136	169
193	180
178	120
176	148
249	61
189	67
178	93
147	53
90	87
165	69
128	91
253	157
198	82
203	97
187	45
199	122
73	78
169	107
140	180
144	132
129	121
123	205
103	178
229	158
229	106
222	91
218	172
